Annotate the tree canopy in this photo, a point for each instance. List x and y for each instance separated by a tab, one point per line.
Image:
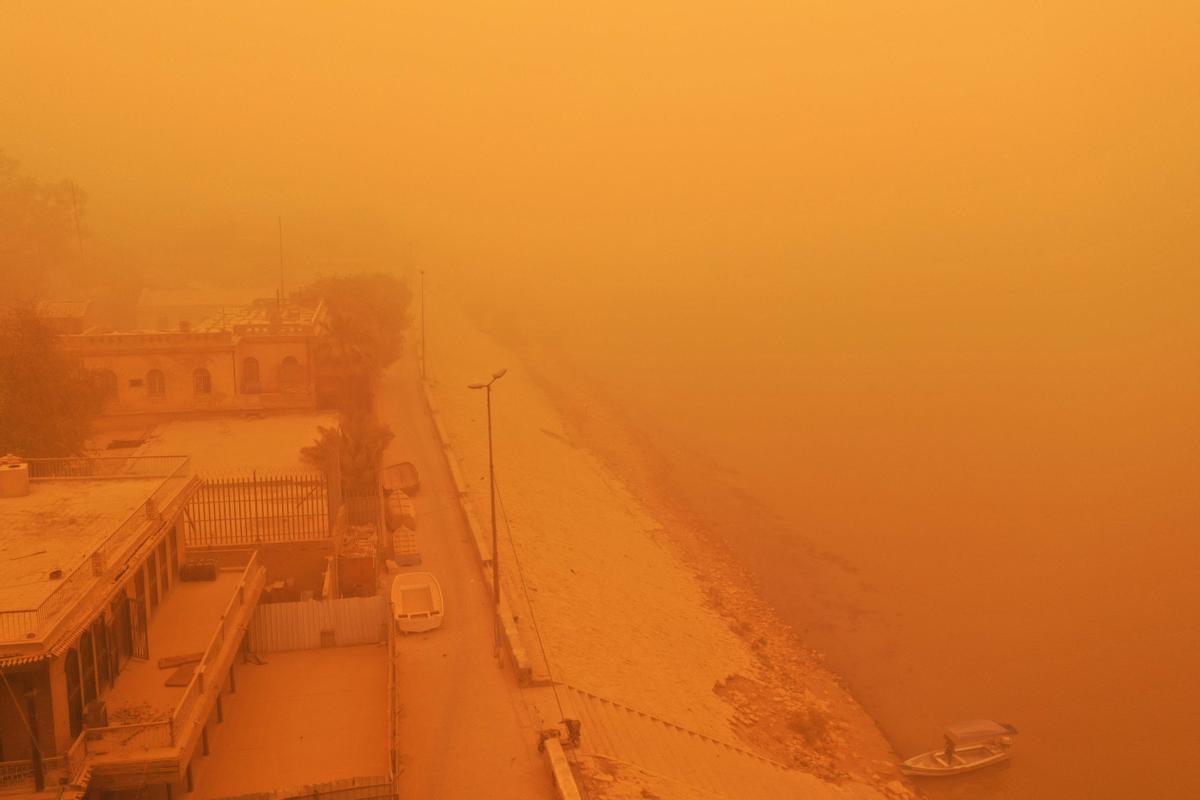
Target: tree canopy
368	314
356	446
40	226
47	398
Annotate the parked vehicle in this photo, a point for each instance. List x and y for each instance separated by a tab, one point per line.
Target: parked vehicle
417	603
969	746
399	511
401	477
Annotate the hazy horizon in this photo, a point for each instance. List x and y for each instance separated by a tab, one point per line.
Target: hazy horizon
932	268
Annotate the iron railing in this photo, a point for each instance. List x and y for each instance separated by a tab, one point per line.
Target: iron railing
170	731
260	507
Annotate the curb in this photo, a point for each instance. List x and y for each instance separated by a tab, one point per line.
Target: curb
483	549
560	771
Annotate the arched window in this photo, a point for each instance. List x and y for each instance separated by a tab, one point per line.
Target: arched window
250	380
156	384
105	382
291	374
74	692
88	658
202	381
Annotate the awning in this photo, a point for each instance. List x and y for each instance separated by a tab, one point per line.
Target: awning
17	661
976	730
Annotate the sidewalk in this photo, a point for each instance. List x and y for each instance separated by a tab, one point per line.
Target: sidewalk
464	729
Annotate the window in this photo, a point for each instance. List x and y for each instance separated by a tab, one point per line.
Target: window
173	538
163	569
88	663
121	630
291	374
74	692
156	384
202	381
152	566
100	635
250	380
105	382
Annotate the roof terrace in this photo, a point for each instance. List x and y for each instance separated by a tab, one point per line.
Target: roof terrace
81	516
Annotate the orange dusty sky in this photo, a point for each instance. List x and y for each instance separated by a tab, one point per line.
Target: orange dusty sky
628	146
936	264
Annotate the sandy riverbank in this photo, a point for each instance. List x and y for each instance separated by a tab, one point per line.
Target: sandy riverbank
632	601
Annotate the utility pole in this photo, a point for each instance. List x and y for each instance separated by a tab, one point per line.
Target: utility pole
422	323
487	387
280	262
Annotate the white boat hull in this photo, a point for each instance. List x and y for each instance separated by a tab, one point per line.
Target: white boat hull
417	603
966	759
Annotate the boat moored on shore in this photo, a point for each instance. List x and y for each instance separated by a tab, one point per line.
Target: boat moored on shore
970	745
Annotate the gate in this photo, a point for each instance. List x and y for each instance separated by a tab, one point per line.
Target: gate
259	508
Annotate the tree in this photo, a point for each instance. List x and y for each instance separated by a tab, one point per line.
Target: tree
357	446
367	315
47	398
40	229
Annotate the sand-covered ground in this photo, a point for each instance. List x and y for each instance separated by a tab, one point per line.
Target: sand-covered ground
617	585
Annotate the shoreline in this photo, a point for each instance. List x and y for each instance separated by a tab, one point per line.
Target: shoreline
730	589
783	701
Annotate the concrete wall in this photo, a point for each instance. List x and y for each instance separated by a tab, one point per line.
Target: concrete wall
302	563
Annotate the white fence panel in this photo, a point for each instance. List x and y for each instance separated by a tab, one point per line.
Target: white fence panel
299	626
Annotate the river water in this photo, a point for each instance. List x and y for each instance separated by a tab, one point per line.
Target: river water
973	511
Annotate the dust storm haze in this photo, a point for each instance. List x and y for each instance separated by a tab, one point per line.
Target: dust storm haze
898	299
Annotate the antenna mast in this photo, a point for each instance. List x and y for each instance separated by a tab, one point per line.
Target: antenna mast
280	301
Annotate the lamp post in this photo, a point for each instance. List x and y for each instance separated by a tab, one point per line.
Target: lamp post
487	387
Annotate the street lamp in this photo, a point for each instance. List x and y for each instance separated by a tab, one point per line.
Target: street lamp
487	387
422	323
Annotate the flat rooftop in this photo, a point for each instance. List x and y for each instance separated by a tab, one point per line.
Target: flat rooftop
263	312
235	443
58	525
306	716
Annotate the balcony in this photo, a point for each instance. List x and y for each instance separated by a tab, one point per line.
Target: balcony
155	728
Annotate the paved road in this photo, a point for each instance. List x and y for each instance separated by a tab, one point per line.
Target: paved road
464	729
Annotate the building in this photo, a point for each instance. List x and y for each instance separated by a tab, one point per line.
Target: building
67	317
248	357
97	597
165	308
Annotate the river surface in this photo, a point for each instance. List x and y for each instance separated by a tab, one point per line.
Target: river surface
972	515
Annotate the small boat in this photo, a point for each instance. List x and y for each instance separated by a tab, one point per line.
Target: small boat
402	477
970	745
417	602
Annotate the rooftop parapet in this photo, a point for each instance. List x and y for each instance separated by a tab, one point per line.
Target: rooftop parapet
77	547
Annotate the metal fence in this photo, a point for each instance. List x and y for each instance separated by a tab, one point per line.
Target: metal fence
106	467
259	508
373	788
310	624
